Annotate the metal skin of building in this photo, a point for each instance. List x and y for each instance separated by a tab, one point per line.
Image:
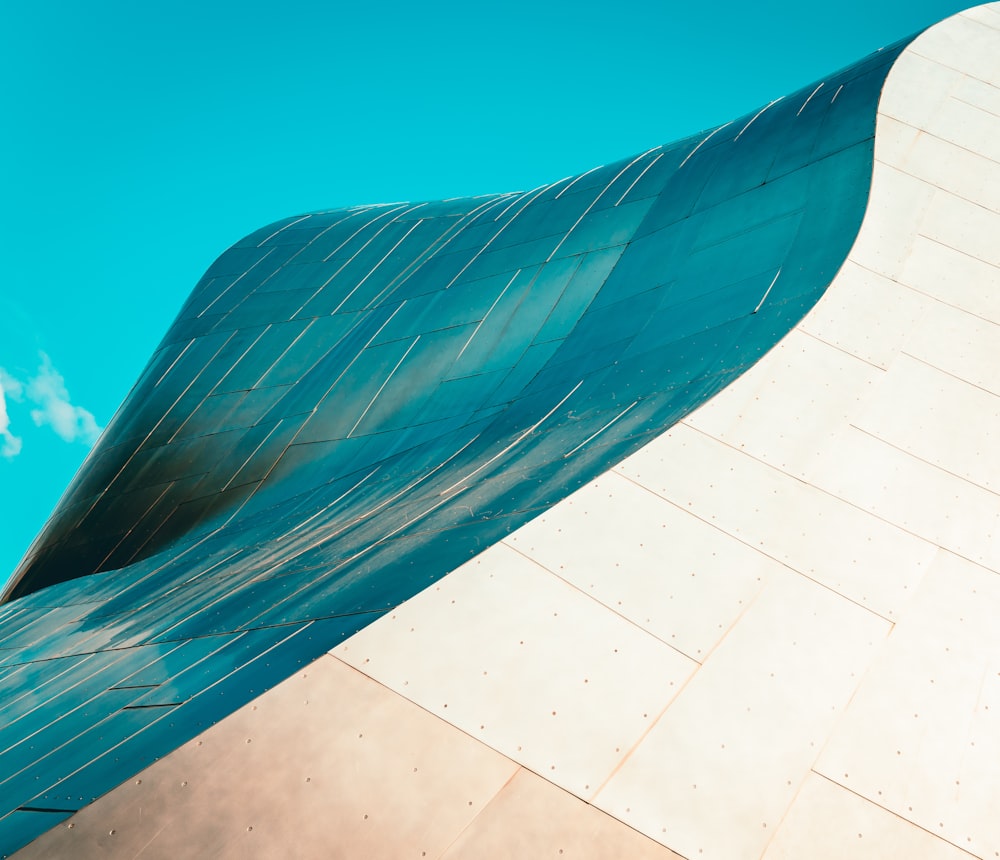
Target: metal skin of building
650	513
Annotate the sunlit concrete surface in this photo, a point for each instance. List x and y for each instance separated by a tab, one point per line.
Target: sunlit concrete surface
769	633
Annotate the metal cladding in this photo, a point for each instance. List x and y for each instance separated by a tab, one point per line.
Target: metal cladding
351	404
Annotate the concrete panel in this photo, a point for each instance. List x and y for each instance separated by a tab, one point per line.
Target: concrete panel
785	410
963	43
960	224
941	508
960	344
925	411
917	91
954	278
828	822
898	206
716	773
943	164
967	118
328	764
523	660
660	567
793	522
531	818
922	735
867	315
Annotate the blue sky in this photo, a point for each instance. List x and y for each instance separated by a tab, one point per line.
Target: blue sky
141	139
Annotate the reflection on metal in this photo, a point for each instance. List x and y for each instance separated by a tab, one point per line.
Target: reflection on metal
354	404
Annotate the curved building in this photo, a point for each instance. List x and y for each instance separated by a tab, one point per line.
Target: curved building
646	513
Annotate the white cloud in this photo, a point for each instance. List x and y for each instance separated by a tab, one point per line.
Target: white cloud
9	387
47	390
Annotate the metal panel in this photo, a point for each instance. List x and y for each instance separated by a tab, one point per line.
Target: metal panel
898	205
714	776
922	499
965	44
958	223
960	344
662	568
329	761
785	410
922	735
828	822
946	165
793	522
935	425
531	818
954	277
867	315
526	662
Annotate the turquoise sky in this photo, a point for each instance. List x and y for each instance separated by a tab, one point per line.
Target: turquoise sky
141	139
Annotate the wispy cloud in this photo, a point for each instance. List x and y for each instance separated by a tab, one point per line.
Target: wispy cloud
47	392
9	387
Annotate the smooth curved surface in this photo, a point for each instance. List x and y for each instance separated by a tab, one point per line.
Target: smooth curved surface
460	366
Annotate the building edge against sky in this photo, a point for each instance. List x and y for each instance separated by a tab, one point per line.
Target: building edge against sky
652	649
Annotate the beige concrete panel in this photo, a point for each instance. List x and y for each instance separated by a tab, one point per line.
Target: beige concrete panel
716	773
867	315
922	735
329	763
962	225
944	164
859	556
968	117
988	14
521	659
938	418
961	344
828	822
665	570
923	499
784	410
985	98
963	43
532	818
954	277
896	210
916	91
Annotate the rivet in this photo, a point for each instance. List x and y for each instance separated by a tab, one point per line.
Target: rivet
249	828
70	826
138	782
111	833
